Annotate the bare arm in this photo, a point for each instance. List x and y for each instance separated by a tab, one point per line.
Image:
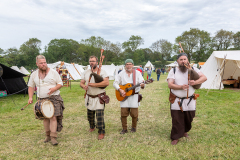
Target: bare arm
172	85
30	94
82	85
57	87
202	78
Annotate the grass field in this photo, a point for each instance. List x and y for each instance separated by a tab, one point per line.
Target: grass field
214	135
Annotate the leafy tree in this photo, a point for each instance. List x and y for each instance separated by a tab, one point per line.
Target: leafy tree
62	50
29	50
163	50
2	57
189	40
133	43
223	40
236	39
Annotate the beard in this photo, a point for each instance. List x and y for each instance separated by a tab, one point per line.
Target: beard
94	66
182	68
44	68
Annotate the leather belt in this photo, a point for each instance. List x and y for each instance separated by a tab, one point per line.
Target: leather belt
92	96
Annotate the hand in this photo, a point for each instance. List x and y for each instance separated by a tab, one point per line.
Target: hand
122	92
85	87
30	101
142	85
192	82
185	87
51	90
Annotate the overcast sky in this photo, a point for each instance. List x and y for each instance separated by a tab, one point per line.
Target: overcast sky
114	20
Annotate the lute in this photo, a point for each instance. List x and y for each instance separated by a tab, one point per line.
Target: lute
129	89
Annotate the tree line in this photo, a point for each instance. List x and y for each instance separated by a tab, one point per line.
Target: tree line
198	44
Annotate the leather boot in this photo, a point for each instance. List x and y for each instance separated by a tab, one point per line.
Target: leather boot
54	138
48	138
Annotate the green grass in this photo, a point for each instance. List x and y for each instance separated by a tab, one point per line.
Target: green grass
214	135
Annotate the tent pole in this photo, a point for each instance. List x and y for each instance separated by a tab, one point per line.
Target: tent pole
223	71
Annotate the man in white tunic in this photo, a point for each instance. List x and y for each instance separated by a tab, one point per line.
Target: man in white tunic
179	84
130	105
48	83
92	99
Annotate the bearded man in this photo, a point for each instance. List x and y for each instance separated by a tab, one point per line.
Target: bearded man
92	101
182	107
130	105
48	83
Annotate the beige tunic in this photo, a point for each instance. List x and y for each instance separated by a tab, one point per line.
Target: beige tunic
93	103
121	79
180	79
43	85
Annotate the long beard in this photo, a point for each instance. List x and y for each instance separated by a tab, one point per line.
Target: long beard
93	67
183	68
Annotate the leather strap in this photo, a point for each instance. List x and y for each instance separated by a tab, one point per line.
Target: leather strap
134	77
92	96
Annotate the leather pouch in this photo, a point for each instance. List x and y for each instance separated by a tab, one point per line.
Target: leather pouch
103	98
195	96
172	97
139	97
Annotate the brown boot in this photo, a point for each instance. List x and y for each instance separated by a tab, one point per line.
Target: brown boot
48	138
54	138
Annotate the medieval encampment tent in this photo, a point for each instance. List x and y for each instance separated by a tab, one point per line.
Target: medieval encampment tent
16	68
149	65
12	81
174	64
221	65
23	70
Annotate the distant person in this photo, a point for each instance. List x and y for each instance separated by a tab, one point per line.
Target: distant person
200	67
48	83
158	73
163	70
139	70
182	107
149	72
142	70
119	71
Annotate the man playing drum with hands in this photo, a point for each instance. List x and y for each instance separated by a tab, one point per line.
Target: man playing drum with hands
48	83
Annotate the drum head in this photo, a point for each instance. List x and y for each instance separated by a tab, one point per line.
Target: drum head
47	109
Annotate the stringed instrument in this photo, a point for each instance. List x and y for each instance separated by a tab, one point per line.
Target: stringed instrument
129	89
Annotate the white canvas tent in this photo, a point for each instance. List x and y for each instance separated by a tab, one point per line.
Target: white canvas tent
23	70
73	71
110	69
174	64
149	65
214	68
16	68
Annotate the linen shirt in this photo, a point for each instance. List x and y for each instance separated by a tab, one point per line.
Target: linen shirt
180	79
121	79
43	85
93	103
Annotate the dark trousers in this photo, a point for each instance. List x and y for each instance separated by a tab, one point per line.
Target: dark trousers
125	113
158	76
100	120
181	123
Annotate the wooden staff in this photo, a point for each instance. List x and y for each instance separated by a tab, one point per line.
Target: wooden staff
25	107
187	65
181	46
99	68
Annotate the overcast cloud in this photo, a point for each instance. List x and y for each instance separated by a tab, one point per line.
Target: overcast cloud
114	21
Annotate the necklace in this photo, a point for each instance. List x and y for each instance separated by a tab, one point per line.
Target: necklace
42	78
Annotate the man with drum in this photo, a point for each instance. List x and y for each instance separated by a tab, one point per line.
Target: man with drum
48	83
94	91
182	97
129	105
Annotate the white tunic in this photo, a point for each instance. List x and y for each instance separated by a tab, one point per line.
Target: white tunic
93	103
180	79
121	79
43	85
